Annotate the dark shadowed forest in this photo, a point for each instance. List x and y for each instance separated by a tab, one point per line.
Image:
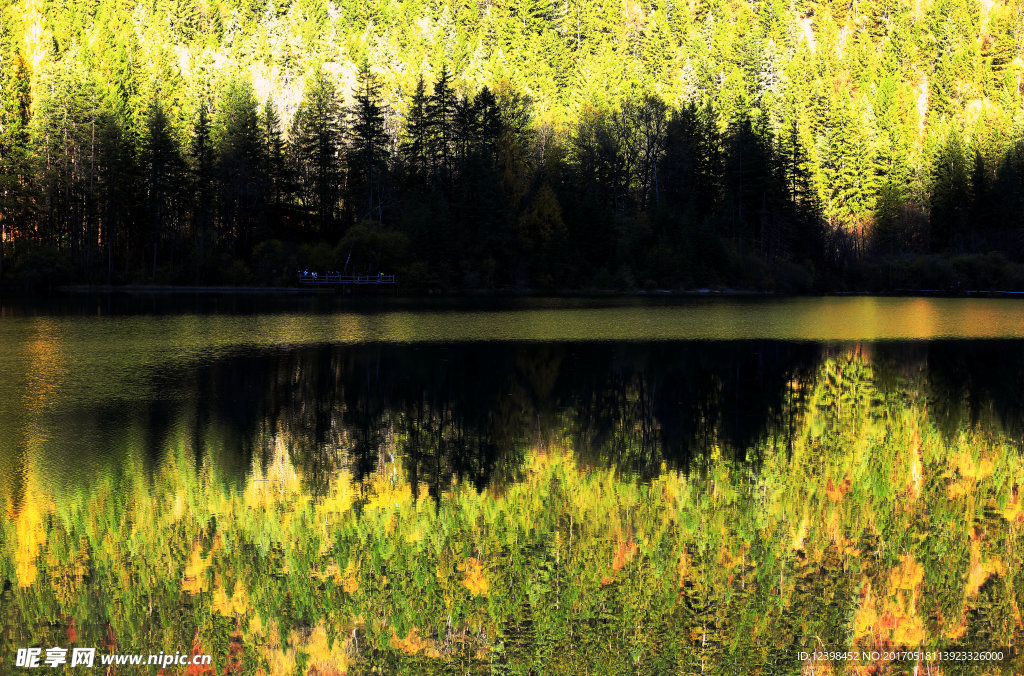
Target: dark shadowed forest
803	146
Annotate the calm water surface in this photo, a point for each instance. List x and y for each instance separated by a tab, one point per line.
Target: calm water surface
89	381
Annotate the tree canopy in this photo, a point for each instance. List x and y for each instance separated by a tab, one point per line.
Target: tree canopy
525	144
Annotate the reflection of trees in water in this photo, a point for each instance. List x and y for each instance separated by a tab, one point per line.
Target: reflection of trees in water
964	383
673	402
468	411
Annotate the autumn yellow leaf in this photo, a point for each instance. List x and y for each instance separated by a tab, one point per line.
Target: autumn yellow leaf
1014	513
233	605
909	631
194	580
350	581
835	492
866	616
683	567
907	575
411	644
475	580
980	571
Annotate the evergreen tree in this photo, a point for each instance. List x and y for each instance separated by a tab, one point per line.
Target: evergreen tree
203	180
64	132
275	168
692	167
14	137
164	171
982	226
950	197
239	152
441	115
368	152
118	178
416	144
791	112
314	145
849	171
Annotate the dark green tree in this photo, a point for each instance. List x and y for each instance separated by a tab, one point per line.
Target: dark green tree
14	137
314	147
165	172
275	168
416	143
951	196
441	111
368	148
239	151
203	176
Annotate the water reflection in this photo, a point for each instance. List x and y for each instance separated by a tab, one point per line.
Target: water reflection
469	411
466	411
475	508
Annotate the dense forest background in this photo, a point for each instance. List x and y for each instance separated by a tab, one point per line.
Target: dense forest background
545	144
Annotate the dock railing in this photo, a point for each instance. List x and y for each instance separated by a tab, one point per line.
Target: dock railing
339	279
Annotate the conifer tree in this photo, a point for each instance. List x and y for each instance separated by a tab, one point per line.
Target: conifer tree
950	199
118	178
314	145
63	129
416	144
368	152
203	183
441	114
275	168
164	171
14	137
239	152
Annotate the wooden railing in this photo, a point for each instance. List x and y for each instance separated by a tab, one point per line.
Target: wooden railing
336	278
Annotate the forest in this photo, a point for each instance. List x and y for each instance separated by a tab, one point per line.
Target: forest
861	145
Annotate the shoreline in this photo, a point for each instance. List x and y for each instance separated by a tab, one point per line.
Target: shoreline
169	289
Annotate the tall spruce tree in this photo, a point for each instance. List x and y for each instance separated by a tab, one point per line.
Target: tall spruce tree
441	114
239	150
950	198
164	171
314	147
416	143
204	190
368	151
275	168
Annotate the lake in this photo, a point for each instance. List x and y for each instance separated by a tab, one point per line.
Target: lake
640	485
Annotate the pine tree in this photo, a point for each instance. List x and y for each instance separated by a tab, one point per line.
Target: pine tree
950	196
164	171
184	20
14	120
203	175
314	145
416	144
467	130
981	221
275	168
849	171
239	151
64	133
368	152
441	114
117	190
